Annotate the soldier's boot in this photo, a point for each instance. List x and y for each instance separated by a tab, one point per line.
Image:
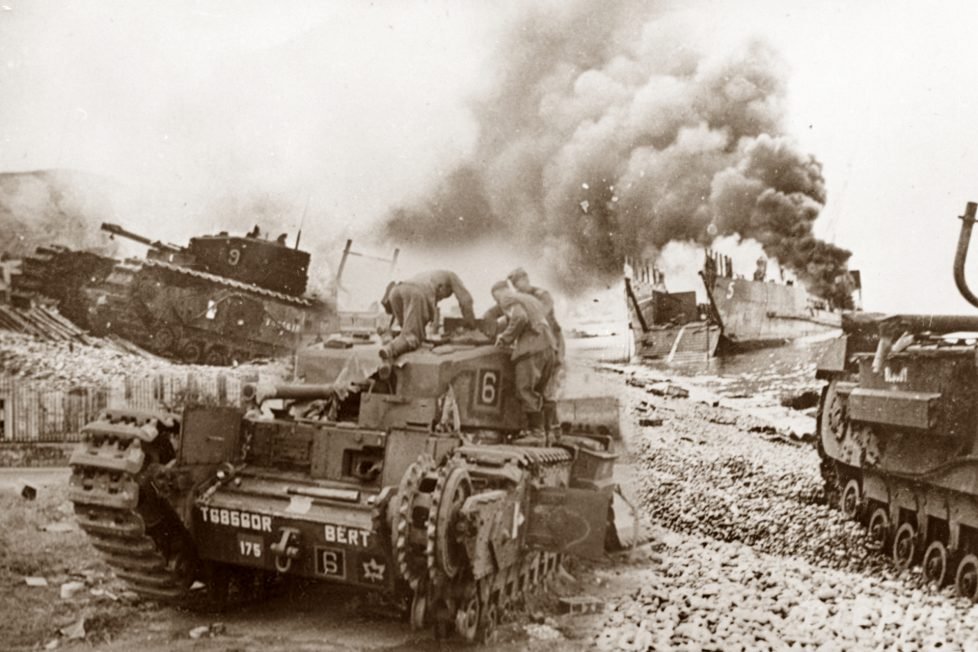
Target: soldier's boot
534	434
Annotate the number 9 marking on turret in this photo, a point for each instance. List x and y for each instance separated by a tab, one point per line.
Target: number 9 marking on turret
234	257
488	387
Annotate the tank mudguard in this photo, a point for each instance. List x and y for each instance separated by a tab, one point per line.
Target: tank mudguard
833	361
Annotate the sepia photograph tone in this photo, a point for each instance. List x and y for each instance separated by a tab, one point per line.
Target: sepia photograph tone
546	325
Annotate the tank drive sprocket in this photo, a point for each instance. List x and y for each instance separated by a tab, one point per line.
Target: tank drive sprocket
410	499
443	552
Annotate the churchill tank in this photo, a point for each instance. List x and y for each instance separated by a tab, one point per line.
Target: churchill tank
413	485
898	433
219	299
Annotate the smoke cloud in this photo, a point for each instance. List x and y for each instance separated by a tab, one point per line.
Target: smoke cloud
51	207
607	137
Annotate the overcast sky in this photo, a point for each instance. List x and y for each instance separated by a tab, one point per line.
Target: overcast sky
352	107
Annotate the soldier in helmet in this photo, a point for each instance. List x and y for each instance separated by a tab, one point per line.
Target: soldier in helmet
534	352
521	281
413	303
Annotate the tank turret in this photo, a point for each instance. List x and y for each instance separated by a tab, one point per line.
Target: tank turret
251	258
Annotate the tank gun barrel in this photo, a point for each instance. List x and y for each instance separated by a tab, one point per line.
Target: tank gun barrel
896	325
961	255
115	229
288	391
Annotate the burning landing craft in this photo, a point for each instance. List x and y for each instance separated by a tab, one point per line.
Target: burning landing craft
741	314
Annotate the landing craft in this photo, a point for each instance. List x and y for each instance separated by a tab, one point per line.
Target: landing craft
740	314
898	433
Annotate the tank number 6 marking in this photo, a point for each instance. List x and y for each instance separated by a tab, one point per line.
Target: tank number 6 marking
234	257
489	387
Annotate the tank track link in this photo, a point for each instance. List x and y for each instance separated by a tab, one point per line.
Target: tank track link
118	506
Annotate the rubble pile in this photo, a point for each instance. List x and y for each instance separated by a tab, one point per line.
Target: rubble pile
62	364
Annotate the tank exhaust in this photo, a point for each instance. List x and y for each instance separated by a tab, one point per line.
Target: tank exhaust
964	240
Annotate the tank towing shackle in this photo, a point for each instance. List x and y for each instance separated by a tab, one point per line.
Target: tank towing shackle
964	240
286	549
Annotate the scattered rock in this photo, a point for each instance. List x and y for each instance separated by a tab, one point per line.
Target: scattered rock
28	492
668	390
800	401
200	632
543	632
650	422
71	589
35	581
210	631
75	631
60	526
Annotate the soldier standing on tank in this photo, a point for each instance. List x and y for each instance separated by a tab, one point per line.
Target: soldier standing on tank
521	281
534	352
413	304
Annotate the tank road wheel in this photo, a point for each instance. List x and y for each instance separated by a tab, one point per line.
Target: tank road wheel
216	357
966	579
905	546
419	608
878	533
444	553
468	615
164	341
851	500
488	620
937	564
191	351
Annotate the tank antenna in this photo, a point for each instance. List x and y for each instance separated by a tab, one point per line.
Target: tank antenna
302	220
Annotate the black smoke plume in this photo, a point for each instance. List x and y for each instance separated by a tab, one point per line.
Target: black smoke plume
607	136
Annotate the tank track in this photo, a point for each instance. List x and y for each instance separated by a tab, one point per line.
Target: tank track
122	312
119	506
450	598
228	283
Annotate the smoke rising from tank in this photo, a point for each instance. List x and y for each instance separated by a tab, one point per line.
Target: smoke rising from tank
51	207
606	138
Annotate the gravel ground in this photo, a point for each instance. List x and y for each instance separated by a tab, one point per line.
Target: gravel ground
750	558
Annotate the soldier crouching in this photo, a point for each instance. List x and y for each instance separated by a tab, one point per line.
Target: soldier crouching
534	354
